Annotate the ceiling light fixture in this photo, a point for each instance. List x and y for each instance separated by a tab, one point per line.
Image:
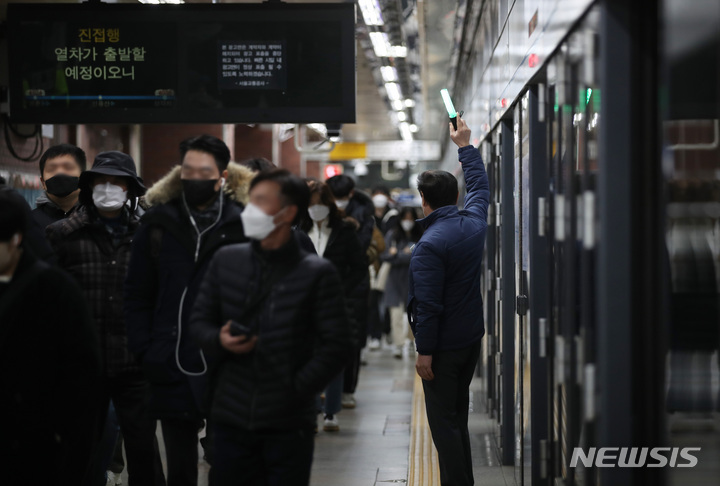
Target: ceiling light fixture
381	46
389	74
371	12
398	51
405	132
393	91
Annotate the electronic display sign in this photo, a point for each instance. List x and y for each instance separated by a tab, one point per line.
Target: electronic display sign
191	63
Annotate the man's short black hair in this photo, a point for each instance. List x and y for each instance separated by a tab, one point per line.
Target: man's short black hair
439	188
293	189
341	185
13	214
64	149
208	144
381	189
258	164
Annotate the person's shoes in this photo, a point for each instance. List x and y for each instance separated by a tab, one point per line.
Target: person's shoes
348	400
374	345
398	352
409	348
331	424
112	479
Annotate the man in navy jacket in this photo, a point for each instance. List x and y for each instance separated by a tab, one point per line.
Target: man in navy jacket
445	303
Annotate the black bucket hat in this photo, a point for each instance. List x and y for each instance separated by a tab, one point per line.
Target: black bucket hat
112	163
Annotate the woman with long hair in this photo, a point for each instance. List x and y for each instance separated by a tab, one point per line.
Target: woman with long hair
399	242
336	240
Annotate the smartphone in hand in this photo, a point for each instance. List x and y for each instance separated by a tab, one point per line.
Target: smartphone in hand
238	329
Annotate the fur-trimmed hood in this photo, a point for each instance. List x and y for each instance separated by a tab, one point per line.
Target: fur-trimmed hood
169	187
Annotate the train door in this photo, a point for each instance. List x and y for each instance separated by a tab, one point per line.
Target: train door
522	335
572	150
506	292
563	309
497	304
489	368
585	127
535	283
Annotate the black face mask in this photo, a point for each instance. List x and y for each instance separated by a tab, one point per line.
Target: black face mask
62	185
198	191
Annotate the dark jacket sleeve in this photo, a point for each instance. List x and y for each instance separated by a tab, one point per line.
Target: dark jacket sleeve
357	262
141	290
206	317
304	241
476	180
332	335
428	275
363	213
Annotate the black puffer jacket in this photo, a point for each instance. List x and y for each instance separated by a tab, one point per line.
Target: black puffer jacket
85	249
304	339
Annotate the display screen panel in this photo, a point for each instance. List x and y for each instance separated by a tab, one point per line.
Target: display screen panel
216	63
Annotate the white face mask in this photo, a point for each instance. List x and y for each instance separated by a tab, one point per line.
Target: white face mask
407	225
318	212
256	223
109	197
380	200
342	203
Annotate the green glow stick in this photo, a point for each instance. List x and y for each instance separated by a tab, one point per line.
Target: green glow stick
448	103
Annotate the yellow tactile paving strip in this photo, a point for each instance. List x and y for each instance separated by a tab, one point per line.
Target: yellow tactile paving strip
423	467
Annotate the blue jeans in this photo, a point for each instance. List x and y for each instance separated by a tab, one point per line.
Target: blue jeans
333	395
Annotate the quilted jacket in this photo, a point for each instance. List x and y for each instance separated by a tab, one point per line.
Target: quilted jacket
304	339
444	300
85	249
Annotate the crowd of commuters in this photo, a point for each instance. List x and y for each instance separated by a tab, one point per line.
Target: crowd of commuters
233	299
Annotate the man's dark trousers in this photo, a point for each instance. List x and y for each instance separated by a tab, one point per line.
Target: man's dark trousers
181	446
130	395
447	399
269	458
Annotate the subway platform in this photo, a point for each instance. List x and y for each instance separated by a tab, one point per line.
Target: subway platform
385	440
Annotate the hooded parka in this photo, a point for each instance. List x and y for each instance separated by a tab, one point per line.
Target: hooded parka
166	268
